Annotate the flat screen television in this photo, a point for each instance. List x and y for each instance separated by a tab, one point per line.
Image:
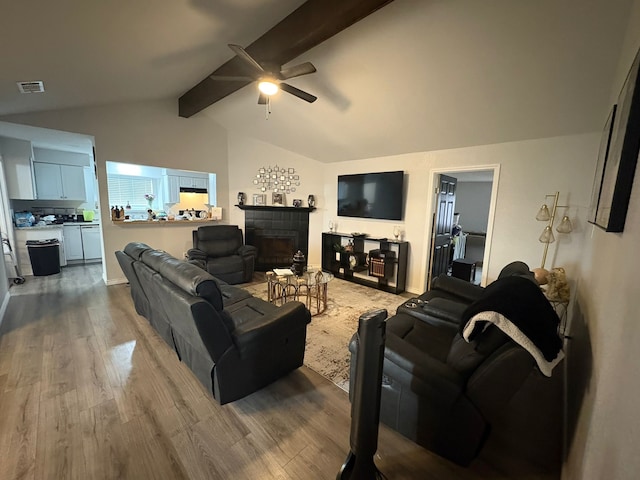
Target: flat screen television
371	195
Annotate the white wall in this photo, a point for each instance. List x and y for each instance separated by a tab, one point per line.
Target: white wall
144	133
472	203
528	170
4	285
604	384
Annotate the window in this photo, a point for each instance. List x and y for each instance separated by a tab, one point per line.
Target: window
129	183
125	189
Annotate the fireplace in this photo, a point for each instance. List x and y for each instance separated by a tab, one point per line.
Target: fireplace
278	233
276	250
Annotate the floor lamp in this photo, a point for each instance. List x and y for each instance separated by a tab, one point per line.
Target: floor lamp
547	234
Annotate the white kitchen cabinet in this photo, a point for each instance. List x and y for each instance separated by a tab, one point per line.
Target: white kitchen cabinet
59	182
90	185
194	182
171	189
91	242
18	169
48	181
72	242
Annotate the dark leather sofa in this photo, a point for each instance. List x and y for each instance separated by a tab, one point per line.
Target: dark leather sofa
445	393
450	296
234	343
220	250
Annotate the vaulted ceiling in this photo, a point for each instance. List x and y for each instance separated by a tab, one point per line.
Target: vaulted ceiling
416	75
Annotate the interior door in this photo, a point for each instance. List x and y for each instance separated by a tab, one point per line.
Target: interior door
441	246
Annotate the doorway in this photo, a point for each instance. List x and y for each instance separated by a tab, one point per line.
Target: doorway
474	208
50	147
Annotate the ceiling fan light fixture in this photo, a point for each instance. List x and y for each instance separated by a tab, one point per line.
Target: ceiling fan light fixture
268	87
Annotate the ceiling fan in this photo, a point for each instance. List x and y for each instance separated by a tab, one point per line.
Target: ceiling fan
270	80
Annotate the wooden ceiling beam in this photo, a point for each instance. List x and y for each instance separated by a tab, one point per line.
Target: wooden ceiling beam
306	27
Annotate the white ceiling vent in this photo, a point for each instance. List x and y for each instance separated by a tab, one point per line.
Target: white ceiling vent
30	87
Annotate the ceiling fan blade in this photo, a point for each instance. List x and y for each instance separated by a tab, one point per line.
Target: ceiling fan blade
232	78
262	99
297	92
297	70
248	59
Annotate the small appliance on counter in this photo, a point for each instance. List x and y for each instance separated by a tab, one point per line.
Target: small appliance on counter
88	215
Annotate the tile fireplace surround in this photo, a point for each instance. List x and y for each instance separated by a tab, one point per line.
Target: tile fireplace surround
277	232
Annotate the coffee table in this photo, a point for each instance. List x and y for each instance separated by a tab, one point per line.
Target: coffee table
283	286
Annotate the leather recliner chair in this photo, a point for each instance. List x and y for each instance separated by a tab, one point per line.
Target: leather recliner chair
439	390
220	250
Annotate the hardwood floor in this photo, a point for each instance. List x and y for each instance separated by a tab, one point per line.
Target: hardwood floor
88	390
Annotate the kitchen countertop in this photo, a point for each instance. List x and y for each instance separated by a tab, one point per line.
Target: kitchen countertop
54	226
163	222
82	224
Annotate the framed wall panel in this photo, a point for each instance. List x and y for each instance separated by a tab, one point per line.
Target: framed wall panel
603	152
620	165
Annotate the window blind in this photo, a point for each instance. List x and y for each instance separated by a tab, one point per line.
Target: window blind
124	189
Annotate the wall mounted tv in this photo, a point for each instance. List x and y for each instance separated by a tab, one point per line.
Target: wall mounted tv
371	195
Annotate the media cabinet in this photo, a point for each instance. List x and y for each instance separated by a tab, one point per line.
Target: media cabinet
375	262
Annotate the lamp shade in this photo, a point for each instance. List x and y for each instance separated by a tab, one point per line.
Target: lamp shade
565	225
543	214
547	235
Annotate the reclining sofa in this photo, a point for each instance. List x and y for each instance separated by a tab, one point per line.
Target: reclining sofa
233	342
446	393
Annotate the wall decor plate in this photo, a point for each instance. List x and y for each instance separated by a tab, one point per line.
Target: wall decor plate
275	178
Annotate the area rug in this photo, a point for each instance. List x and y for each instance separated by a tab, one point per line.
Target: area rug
328	334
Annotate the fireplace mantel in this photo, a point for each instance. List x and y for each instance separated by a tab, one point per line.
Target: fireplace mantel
275	207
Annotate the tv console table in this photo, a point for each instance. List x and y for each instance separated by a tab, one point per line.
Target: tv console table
375	262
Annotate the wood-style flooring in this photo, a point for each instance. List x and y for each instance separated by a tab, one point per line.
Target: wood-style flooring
89	391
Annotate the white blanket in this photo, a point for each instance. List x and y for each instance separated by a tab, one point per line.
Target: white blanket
504	324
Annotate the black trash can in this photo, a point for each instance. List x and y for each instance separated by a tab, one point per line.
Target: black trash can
44	256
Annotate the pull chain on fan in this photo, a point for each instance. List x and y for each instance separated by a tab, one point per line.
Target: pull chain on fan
267	108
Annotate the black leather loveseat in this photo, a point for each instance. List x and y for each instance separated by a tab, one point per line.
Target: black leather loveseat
445	393
234	343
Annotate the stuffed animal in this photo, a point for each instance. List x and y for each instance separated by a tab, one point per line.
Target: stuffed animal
557	285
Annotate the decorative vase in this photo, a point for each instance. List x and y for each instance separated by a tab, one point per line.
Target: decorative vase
311	201
299	262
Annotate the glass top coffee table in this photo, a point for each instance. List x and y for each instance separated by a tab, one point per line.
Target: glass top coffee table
312	286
